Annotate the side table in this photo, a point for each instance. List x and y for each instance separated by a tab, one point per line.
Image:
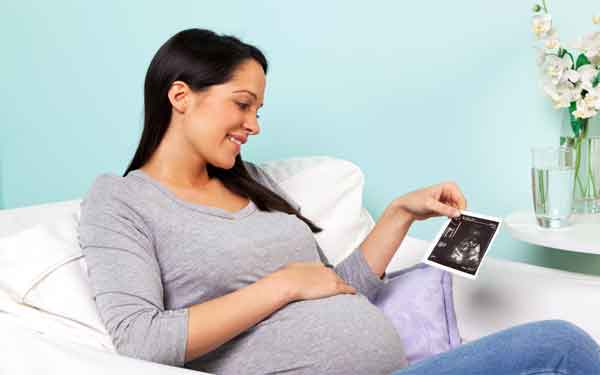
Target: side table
583	235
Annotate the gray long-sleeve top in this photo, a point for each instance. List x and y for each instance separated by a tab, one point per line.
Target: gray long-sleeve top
150	255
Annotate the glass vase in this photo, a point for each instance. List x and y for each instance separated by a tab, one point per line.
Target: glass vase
586	144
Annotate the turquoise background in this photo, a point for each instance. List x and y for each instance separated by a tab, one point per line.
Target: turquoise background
414	93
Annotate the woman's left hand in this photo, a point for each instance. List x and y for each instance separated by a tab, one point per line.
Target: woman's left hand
444	199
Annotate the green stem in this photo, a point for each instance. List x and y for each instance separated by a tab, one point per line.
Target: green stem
562	52
590	173
578	141
572	59
577	165
542	190
545	7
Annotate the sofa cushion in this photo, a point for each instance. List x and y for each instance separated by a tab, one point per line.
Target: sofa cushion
418	300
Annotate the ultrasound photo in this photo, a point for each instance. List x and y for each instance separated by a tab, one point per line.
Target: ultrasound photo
462	243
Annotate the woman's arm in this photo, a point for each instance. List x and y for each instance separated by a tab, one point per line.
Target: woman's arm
125	276
381	243
385	238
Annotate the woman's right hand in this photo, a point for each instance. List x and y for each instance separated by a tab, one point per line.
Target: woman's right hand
312	280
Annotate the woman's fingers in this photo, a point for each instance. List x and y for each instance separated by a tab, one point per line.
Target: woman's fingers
452	195
345	288
442	209
462	201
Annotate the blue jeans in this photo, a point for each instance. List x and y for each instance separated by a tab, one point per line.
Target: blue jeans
539	348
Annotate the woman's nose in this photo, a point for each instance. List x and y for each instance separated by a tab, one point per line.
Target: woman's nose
252	125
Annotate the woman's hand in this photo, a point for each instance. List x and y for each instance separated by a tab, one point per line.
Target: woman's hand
443	199
311	280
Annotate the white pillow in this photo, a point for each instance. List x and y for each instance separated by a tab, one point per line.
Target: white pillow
330	194
42	266
54	326
15	220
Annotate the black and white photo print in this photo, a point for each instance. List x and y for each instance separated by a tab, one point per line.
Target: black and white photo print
462	243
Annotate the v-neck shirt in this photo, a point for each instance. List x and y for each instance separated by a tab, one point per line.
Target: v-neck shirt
209	210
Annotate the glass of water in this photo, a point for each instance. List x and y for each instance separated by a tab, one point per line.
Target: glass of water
552	181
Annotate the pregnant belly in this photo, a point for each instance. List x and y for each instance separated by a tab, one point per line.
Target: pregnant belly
343	334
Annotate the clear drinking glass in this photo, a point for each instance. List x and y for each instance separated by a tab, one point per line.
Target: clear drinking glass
552	181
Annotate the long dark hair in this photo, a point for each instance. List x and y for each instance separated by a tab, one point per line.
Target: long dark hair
202	58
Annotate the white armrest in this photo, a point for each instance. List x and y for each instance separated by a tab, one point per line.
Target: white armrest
27	352
508	293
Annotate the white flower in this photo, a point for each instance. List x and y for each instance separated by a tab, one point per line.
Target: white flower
587	73
592	98
560	79
554	67
561	101
572	75
589	44
583	110
562	94
583	77
551	41
542	23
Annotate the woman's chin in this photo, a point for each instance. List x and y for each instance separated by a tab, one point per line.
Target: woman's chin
226	163
227	160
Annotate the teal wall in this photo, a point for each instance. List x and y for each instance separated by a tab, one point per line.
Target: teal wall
412	92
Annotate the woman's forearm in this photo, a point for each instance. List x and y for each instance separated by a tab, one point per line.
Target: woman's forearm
213	323
381	243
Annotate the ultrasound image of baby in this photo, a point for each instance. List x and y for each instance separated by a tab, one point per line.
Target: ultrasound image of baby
467	252
462	244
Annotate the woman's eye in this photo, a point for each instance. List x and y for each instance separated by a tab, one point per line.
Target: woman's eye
243	106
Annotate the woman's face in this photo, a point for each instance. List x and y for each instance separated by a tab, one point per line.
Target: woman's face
228	108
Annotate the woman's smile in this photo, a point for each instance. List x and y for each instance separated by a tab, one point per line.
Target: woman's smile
234	143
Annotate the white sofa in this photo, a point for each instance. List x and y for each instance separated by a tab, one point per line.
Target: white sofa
329	191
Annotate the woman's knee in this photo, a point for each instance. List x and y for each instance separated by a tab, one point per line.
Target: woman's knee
565	331
565	338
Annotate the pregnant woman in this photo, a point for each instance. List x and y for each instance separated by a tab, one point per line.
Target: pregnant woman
199	259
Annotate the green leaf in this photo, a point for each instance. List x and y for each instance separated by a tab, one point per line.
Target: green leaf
561	52
581	61
576	123
596	80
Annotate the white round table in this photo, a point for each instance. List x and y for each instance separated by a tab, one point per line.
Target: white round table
583	235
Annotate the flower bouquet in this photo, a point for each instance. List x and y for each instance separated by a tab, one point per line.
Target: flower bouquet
571	77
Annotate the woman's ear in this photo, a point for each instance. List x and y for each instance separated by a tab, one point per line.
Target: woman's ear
179	96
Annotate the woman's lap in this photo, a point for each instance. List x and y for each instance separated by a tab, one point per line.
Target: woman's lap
541	348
